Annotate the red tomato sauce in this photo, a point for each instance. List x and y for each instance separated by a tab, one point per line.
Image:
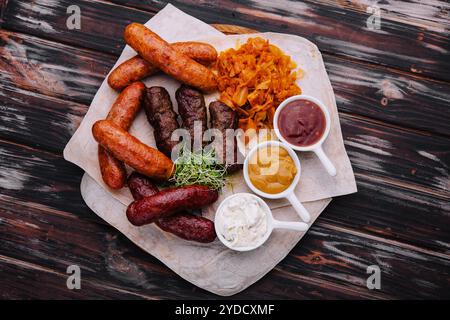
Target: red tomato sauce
302	123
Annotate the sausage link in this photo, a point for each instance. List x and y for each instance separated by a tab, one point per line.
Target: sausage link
160	114
184	225
155	50
189	227
141	186
224	118
136	68
122	113
169	201
192	109
133	152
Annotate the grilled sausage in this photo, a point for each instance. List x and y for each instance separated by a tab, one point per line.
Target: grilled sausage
122	113
133	152
184	225
160	114
158	52
192	110
141	186
189	227
169	201
223	118
136	68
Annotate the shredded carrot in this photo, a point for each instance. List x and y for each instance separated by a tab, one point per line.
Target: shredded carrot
254	79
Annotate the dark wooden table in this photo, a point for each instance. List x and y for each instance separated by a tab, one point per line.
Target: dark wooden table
392	88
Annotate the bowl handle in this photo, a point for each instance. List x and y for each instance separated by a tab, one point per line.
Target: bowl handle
301	210
297	226
329	166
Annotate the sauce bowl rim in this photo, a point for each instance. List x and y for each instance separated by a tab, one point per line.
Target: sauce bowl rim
294	182
269	219
311	99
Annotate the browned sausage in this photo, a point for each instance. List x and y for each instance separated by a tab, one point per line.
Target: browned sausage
184	225
158	52
122	113
141	186
136	68
189	227
168	202
192	110
133	152
160	114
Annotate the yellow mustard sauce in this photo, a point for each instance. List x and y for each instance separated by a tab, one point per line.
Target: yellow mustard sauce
271	169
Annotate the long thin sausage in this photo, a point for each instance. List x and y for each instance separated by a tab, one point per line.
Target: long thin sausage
184	225
122	113
137	68
155	50
133	152
169	201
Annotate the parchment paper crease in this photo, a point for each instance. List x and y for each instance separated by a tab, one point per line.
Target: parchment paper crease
212	267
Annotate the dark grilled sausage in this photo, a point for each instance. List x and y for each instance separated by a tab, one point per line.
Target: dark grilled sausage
137	68
161	116
192	110
122	113
169	201
133	152
184	225
189	227
222	118
155	50
141	186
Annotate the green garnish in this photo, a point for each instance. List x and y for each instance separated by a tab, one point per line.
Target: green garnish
199	168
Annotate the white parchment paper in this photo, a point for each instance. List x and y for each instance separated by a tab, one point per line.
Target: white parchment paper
211	266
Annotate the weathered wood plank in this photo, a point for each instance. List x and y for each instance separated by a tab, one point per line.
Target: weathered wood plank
34	176
101	27
50	68
72	74
394	213
36	120
3	4
22	280
333	253
335	29
430	15
47	181
390	96
329	262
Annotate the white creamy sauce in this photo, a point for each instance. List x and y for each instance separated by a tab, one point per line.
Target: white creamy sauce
243	221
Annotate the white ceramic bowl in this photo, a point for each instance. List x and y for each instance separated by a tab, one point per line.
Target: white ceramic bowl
289	192
316	147
271	223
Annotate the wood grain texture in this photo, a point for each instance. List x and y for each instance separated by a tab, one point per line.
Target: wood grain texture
394	120
48	182
335	29
374	149
329	256
387	95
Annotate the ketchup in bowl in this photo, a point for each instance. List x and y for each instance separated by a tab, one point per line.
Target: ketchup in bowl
302	123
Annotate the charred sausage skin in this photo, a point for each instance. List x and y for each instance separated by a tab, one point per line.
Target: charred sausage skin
137	68
169	201
162	117
122	113
133	152
155	50
184	225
